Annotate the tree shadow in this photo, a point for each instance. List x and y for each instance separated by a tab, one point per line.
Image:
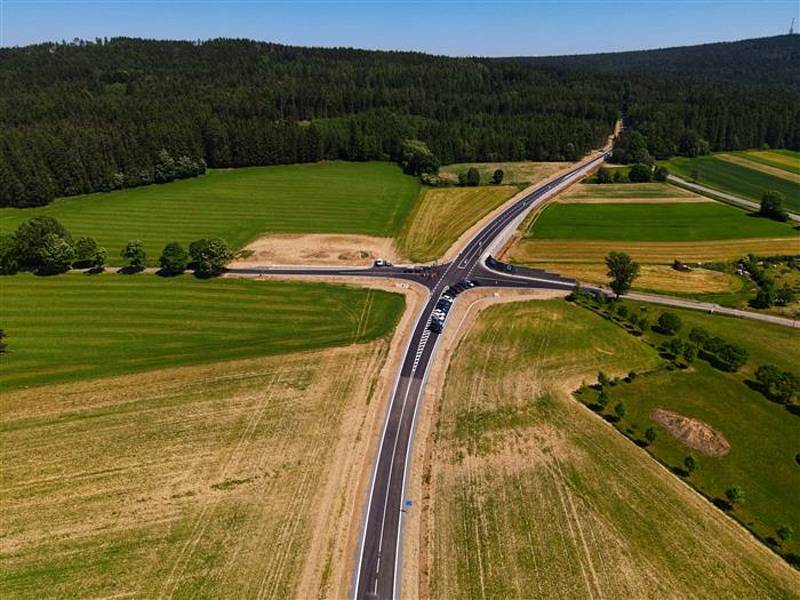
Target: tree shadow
129	270
722	504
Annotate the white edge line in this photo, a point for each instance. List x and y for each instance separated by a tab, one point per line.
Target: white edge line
380	446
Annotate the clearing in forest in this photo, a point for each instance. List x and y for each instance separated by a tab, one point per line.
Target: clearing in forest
532	495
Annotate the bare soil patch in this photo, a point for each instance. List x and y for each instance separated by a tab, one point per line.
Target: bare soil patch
692	432
318	249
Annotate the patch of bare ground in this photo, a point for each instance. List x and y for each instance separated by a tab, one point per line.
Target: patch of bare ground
236	479
521	492
317	250
692	432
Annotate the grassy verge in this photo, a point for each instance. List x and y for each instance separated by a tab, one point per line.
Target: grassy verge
760	433
443	214
77	326
238	205
733	178
534	496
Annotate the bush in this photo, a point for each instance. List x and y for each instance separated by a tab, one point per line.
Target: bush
497	176
55	255
209	257
669	323
473	177
173	259
8	255
660	174
772	206
780	385
603	175
717	351
29	239
133	254
640	173
85	251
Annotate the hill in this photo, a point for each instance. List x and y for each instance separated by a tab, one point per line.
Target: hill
771	60
96	116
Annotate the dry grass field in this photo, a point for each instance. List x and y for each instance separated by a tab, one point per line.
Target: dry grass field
652	277
443	214
533	250
514	172
534	496
225	480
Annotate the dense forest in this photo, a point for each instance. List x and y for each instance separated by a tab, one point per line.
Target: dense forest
88	116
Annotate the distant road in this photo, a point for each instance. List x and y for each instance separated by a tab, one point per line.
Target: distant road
723	196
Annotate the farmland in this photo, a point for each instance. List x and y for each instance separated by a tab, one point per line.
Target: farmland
232	479
77	326
761	434
718	173
667	222
522	172
533	495
239	205
786	160
443	214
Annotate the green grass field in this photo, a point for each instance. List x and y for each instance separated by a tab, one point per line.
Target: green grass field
762	434
653	223
533	496
786	160
77	326
238	205
735	179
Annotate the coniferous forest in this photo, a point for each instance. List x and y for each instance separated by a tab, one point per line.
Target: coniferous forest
85	116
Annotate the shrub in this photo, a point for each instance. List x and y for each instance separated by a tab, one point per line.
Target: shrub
210	256
640	173
660	174
473	177
650	435
669	323
497	176
173	259
9	264
133	254
29	239
55	255
772	206
781	385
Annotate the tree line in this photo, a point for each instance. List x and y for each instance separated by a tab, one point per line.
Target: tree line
85	116
43	245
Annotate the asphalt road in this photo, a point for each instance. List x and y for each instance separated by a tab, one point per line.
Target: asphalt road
378	564
379	560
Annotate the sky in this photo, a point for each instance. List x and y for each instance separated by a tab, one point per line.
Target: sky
456	28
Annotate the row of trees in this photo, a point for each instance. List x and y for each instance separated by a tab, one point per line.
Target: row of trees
43	245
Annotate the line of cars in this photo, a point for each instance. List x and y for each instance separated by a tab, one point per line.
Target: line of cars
445	302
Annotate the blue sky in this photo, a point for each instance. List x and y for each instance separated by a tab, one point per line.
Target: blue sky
446	27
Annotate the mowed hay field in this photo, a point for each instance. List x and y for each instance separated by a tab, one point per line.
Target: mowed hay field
664	222
239	205
654	223
77	326
520	172
443	214
231	480
534	496
741	179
